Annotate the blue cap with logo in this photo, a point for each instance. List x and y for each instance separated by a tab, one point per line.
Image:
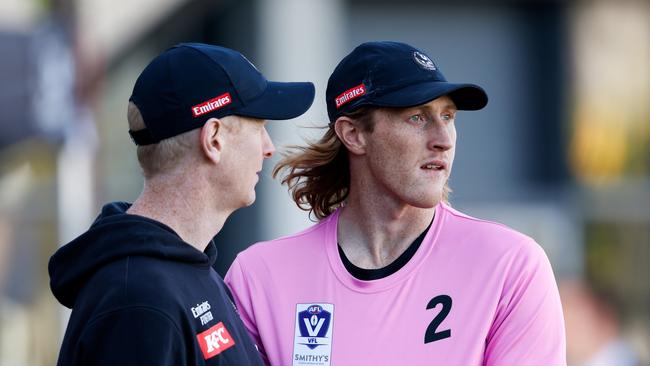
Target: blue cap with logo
192	82
393	74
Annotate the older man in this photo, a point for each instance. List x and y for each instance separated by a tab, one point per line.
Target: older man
139	281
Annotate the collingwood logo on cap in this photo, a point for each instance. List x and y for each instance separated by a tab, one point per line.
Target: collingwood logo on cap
424	61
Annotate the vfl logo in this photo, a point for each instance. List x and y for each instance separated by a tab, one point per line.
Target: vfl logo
312	345
313	324
214	341
424	60
350	94
211	105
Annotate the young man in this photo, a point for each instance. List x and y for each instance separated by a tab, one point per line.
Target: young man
391	274
139	281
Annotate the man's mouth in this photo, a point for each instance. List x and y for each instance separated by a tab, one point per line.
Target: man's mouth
434	165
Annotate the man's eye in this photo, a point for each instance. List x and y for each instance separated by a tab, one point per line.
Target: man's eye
416	118
448	117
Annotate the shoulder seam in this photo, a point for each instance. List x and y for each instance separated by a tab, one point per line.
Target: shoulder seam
472	218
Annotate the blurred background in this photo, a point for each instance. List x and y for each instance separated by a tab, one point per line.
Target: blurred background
562	151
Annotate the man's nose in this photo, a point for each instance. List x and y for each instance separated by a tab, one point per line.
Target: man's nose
267	148
440	137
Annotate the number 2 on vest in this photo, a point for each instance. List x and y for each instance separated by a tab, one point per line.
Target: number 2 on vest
431	334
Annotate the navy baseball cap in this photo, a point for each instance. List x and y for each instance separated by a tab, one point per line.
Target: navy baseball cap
192	82
393	74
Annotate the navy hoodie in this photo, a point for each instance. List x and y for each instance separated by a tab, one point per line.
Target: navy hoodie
140	295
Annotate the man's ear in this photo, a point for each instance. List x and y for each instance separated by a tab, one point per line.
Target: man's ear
351	135
212	139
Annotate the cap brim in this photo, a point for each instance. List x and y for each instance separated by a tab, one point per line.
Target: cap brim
468	97
280	101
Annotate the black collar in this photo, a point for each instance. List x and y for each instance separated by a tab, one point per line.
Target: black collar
375	274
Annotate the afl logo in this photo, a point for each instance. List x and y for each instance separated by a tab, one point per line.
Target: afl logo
423	60
315	309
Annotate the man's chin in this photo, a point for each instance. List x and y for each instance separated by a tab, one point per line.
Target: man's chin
429	204
246	201
430	201
250	201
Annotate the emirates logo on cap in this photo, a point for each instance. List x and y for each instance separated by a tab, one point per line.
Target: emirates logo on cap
350	95
211	105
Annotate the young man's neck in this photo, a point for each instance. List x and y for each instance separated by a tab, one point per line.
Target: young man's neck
373	231
181	204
